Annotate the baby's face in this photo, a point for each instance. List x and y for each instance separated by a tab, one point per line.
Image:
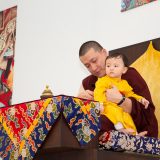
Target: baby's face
115	67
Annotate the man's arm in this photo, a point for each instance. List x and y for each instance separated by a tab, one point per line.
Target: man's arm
112	94
127	105
115	96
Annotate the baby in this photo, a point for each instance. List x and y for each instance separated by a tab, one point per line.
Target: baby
116	65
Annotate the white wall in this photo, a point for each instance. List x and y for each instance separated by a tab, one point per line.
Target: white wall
49	34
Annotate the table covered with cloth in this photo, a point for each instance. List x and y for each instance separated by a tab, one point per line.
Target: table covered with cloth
24	127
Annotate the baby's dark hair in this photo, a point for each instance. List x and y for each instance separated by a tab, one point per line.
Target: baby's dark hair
119	55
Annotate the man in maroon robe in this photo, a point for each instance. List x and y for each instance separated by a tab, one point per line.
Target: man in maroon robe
93	56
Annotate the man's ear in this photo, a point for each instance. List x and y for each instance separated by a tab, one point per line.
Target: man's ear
104	51
125	70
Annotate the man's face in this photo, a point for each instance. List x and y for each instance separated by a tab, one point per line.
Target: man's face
94	61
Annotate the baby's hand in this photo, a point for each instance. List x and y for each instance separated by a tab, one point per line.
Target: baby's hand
144	102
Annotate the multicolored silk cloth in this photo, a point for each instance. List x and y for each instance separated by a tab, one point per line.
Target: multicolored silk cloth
118	141
23	127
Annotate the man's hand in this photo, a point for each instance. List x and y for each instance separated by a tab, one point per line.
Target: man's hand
113	95
86	94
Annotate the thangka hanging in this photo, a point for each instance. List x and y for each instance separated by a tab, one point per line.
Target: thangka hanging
7	51
129	4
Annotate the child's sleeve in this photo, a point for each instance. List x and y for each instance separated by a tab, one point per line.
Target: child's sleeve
129	91
100	90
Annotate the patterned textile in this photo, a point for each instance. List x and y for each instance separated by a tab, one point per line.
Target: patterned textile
129	4
119	141
82	117
7	52
23	127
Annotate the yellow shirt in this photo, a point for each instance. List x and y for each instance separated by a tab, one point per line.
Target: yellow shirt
112	110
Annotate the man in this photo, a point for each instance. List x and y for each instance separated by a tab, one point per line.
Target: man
93	56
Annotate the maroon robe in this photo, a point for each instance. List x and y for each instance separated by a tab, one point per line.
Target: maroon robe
144	119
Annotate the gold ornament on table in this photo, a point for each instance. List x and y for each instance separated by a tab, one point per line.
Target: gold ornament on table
47	93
